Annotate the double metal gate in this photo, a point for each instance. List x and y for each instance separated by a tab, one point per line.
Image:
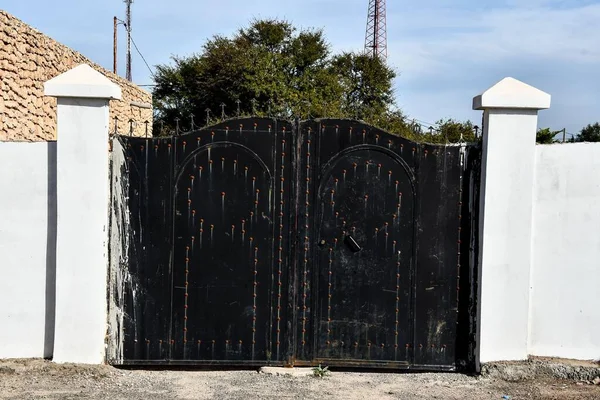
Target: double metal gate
261	241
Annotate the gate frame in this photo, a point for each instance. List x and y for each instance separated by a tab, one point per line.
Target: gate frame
290	348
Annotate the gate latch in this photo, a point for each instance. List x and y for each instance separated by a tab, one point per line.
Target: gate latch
351	243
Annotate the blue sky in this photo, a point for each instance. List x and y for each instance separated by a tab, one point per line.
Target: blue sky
445	51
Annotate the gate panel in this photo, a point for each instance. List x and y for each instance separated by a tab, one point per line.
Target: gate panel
230	219
259	241
146	225
223	255
439	250
364	185
365	221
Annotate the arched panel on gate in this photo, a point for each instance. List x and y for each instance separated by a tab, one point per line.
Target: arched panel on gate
366	200
223	253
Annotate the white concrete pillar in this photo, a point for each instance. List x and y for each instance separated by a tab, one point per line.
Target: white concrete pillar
508	167
83	96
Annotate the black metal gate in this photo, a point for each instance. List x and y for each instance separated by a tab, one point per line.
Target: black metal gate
260	241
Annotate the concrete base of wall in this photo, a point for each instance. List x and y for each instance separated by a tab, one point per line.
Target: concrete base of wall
539	367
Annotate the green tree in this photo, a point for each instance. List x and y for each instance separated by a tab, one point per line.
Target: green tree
366	85
545	136
591	133
452	131
272	68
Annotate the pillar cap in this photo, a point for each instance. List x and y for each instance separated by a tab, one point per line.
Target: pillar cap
82	82
512	94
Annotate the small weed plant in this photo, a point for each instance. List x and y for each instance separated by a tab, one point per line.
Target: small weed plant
320	372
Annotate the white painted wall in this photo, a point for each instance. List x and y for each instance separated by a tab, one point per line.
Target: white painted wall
565	280
27	248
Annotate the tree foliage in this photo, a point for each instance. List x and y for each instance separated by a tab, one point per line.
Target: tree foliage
271	68
591	133
456	131
545	136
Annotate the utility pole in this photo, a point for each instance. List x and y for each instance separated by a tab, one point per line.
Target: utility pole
128	26
115	45
564	131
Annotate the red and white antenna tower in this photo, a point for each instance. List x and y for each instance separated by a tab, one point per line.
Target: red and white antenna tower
376	35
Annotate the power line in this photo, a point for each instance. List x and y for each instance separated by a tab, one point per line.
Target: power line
141	55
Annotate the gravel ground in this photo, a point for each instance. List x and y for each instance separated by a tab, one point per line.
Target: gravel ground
37	379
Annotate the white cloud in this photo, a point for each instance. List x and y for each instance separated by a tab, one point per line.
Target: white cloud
434	36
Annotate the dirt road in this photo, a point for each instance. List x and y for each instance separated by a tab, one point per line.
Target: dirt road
37	379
